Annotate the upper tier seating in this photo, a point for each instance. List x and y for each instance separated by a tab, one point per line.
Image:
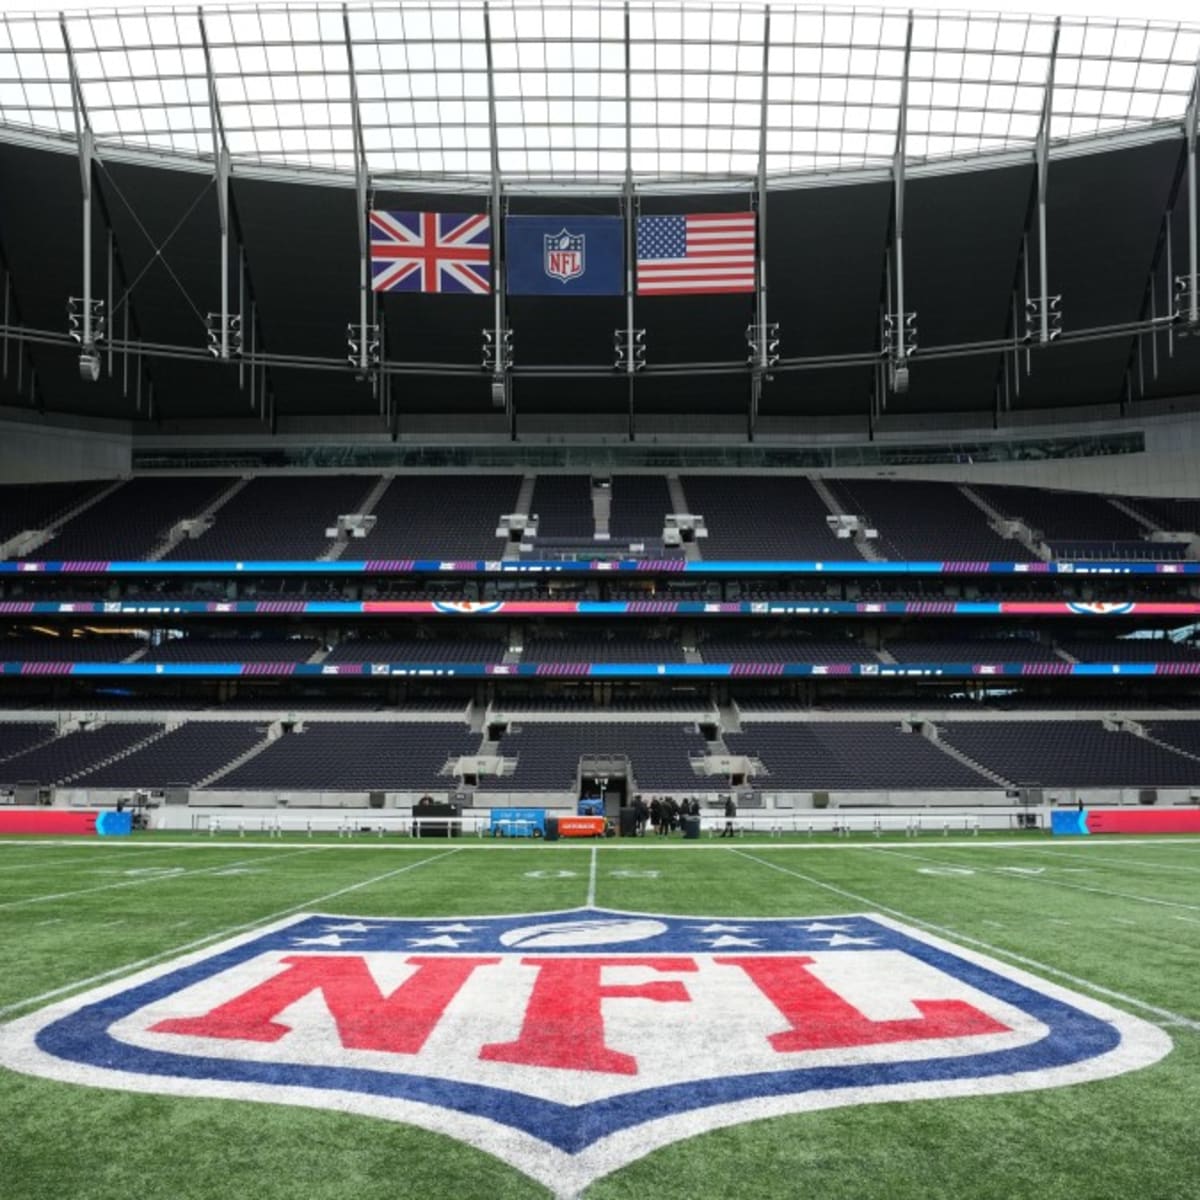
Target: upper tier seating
973	650
279	517
1175	516
37	505
231	650
342	756
579	648
1069	754
548	754
65	756
853	756
563	504
1131	650
917	520
731	648
751	517
465	649
184	756
133	520
1075	524
439	516
639	505
46	649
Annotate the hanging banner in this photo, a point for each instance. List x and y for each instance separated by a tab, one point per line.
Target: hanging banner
565	256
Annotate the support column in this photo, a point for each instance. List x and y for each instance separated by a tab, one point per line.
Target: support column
1042	158
501	345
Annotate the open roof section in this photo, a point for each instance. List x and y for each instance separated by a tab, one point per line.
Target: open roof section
694	86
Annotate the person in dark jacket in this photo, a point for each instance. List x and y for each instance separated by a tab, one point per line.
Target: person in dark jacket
730	813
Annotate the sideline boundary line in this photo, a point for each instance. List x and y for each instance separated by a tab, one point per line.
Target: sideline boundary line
1169	1017
6	1009
591	892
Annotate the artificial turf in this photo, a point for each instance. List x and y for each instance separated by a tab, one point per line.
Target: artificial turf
1118	919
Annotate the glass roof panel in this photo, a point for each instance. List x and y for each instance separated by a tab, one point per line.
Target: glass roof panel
561	73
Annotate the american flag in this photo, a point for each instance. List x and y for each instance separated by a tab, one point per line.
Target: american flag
430	252
702	253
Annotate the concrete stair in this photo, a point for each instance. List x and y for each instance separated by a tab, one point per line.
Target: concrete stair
1139	730
28	540
274	732
205	518
931	732
1006	527
366	506
158	735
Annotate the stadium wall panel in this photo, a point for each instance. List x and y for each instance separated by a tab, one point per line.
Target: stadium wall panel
61	450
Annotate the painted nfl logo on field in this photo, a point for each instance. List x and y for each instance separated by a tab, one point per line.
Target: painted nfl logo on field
569	1044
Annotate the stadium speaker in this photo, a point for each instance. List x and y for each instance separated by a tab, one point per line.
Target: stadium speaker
551	833
375	799
628	821
1148	796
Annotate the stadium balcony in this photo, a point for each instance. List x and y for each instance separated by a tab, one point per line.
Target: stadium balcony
463	649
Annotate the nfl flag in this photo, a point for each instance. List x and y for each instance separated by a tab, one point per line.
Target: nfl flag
431	252
700	254
565	256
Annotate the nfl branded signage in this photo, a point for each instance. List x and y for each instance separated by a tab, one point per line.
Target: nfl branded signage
565	256
569	1044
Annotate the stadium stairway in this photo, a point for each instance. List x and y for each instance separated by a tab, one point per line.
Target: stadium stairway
157	735
1017	531
274	731
930	731
864	546
366	506
1148	526
1139	730
1061	653
29	540
202	520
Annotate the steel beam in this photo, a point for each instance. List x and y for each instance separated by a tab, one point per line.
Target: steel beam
86	143
1189	132
898	161
500	379
630	226
1042	157
362	192
221	169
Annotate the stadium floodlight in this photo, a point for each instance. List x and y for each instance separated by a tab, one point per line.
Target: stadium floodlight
224	337
363	349
623	354
1033	319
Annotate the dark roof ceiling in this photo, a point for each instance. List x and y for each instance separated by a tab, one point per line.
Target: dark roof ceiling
826	262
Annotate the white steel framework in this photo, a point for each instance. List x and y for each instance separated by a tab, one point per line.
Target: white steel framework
587	93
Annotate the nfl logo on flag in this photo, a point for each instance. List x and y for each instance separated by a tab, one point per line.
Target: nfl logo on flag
563	255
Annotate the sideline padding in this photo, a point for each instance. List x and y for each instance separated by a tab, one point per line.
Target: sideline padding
1089	821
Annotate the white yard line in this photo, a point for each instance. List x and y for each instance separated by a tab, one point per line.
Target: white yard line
5	868
591	892
1114	864
213	937
1059	883
108	887
1165	1014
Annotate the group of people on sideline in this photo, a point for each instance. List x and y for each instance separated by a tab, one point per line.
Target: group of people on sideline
665	814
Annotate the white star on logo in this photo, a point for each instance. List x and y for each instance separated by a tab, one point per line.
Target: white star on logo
818	927
352	927
725	940
720	928
839	940
459	928
331	939
452	943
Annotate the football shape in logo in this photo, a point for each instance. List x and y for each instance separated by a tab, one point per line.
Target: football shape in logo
553	1040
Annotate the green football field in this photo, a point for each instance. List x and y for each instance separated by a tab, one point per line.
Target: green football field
1115	920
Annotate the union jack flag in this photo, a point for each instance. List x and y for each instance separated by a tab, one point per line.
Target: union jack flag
431	252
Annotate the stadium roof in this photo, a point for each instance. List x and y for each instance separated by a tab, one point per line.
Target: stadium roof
822	85
865	123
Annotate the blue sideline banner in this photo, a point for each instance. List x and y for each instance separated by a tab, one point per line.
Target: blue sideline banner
565	256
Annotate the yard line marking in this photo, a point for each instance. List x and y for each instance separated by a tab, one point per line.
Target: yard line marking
106	887
1189	920
1132	862
591	895
1062	883
49	862
212	937
1166	1014
53	921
